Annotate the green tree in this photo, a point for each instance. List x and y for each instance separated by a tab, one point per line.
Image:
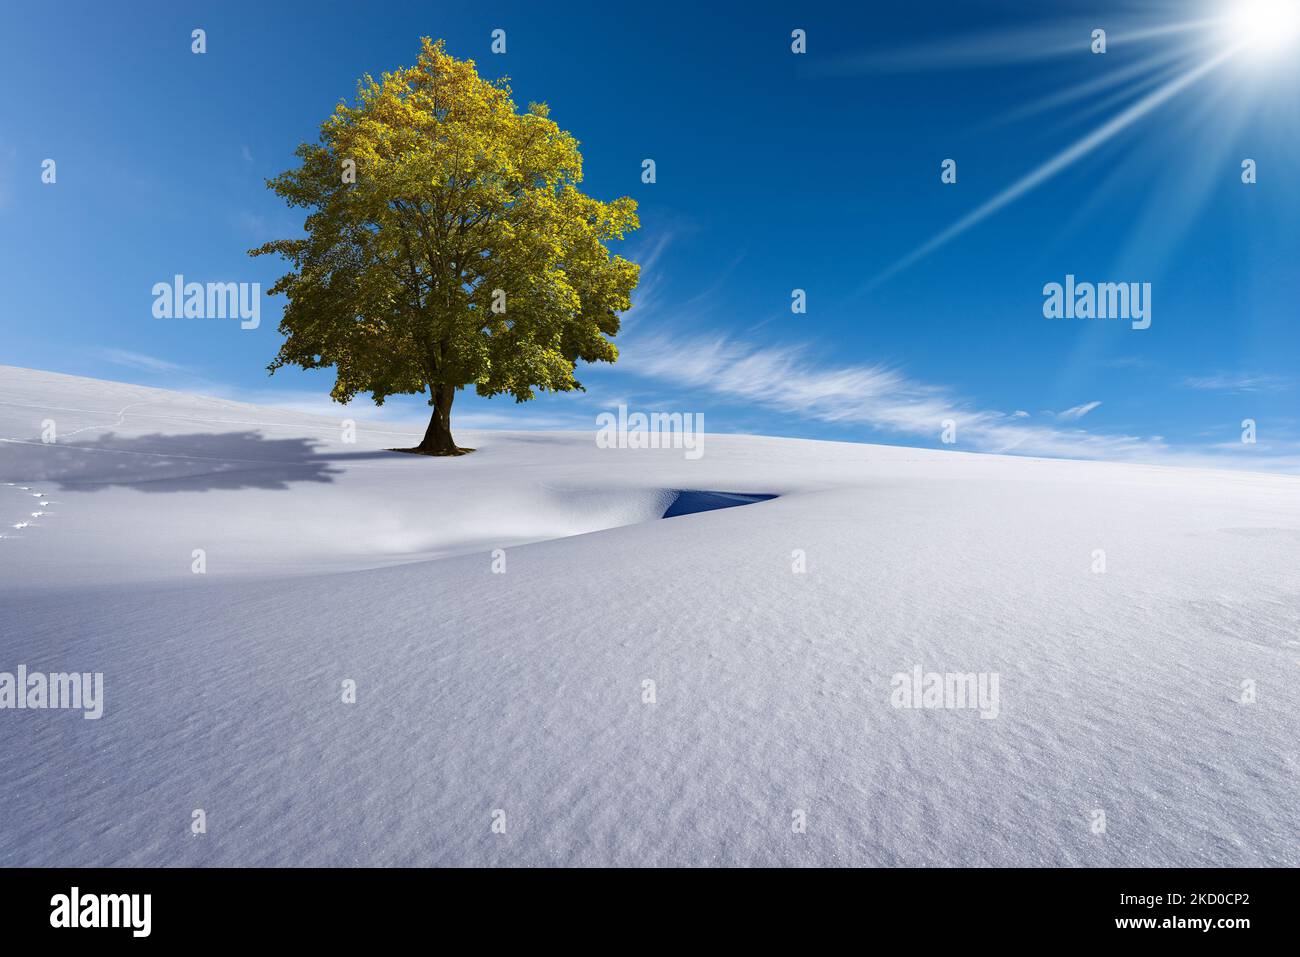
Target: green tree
448	244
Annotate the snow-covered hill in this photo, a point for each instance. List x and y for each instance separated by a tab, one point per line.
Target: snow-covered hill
501	615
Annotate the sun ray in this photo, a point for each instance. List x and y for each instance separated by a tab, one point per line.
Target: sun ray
1129	94
1134	72
1062	160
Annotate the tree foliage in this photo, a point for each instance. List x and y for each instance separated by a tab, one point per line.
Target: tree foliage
459	203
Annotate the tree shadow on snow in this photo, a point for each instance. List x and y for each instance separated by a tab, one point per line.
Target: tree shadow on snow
172	463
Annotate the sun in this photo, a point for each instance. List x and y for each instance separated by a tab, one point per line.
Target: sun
1264	26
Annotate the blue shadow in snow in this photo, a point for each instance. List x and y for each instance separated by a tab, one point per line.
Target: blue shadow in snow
688	502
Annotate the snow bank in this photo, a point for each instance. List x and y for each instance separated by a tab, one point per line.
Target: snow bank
526	637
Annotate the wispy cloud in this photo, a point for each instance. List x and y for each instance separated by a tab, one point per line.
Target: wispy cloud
885	400
138	360
648	252
1077	411
877	396
1238	382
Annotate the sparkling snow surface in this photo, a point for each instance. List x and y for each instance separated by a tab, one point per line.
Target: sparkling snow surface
522	691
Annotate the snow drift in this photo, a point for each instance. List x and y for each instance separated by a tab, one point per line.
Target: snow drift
531	645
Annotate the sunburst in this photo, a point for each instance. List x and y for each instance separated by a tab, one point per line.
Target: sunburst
1254	37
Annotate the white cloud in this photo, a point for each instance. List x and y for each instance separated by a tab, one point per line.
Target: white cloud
1239	382
138	360
885	400
876	396
1077	411
647	251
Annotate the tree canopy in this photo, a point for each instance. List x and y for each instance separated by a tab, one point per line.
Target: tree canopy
448	244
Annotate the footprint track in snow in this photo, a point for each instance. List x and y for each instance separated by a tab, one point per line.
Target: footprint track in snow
30	519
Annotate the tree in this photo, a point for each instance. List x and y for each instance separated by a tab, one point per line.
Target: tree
447	244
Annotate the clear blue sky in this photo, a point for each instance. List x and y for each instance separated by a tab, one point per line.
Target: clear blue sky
776	171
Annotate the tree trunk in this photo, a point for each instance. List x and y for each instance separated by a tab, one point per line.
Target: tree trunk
437	437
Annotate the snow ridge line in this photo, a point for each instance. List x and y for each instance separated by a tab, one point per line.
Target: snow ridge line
258	423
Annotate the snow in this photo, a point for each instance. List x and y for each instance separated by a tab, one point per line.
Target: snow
522	691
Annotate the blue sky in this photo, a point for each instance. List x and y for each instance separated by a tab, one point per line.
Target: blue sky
775	171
